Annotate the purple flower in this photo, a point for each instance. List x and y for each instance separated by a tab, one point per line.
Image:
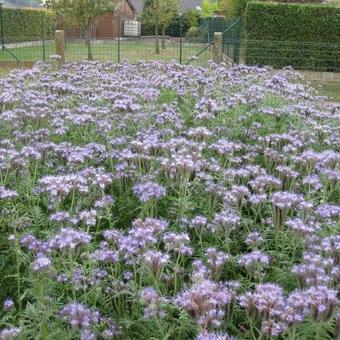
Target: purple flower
105	255
149	191
177	243
273	328
62	216
283	202
33	244
314	270
7	194
87	335
88	217
69	238
225	147
96	277
105	201
60	186
111	330
205	302
41	264
254	262
79	316
296	308
8	304
215	261
156	226
156	261
205	335
10	333
331	246
267	300
263	182
328	211
286	200
198	223
322	302
154	303
237	196
312	181
225	221
254	239
301	229
257	199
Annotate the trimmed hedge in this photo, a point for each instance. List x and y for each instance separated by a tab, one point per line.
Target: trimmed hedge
27	25
305	36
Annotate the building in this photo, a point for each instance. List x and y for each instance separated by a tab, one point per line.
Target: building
106	26
185	5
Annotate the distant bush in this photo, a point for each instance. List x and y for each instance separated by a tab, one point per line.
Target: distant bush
197	33
305	36
27	24
189	19
302	1
234	8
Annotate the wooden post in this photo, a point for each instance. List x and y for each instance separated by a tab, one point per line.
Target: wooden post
60	45
217	48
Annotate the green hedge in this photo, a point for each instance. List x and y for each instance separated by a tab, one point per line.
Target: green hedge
305	36
27	25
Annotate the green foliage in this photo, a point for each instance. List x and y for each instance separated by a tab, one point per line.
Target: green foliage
27	25
192	17
189	19
234	8
81	13
305	36
208	8
159	14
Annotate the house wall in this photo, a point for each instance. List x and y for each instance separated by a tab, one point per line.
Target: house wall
106	26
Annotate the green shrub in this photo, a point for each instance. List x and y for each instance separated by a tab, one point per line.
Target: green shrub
305	36
198	34
234	8
27	25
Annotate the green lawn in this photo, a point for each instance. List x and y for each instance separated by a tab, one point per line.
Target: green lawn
133	51
329	88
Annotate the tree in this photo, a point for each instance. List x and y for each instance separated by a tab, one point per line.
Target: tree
81	13
159	13
234	8
169	10
208	8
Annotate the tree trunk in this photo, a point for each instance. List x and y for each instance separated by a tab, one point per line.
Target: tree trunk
163	38
157	39
88	42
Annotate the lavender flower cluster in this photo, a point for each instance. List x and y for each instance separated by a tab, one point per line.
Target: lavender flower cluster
166	201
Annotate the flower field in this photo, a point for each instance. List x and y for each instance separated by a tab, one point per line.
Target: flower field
162	201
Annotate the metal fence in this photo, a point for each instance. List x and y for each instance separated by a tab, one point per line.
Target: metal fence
179	47
115	50
195	47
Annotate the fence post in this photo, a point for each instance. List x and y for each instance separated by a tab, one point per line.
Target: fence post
60	45
217	48
118	47
180	39
43	35
238	43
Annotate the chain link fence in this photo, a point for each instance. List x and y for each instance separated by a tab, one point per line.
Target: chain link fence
194	47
